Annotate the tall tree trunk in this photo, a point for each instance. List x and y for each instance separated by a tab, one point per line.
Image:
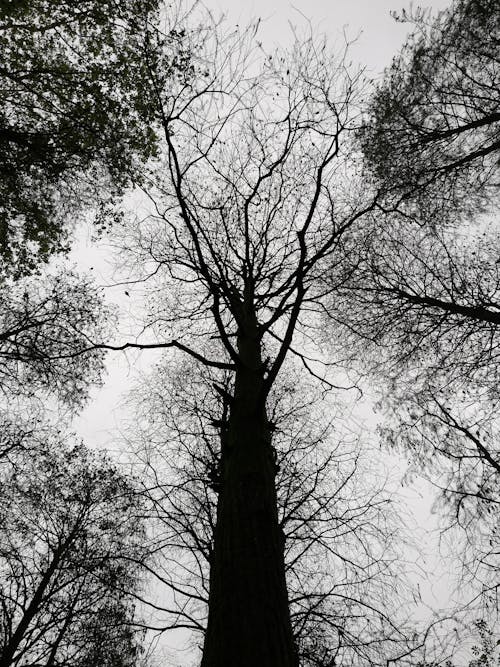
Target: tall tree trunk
248	619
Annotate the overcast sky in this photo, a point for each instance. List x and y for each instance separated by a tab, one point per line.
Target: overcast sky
378	35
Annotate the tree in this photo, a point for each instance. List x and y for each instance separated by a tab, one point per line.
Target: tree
423	287
338	528
253	223
485	655
420	312
42	324
75	118
432	135
252	204
69	538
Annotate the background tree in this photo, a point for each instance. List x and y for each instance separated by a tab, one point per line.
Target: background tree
43	323
432	135
69	539
483	653
421	295
75	117
74	125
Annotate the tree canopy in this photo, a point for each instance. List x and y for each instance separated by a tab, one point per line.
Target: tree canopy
75	115
44	324
69	540
422	297
433	130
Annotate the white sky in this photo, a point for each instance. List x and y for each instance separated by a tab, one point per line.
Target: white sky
379	35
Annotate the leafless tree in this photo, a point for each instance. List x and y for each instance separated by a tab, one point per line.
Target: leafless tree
252	201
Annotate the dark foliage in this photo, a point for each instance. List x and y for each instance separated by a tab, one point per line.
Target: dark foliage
432	136
68	531
45	322
75	116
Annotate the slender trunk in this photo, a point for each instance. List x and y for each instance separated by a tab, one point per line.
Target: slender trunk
248	620
35	604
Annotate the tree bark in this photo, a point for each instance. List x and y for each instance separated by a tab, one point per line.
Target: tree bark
248	620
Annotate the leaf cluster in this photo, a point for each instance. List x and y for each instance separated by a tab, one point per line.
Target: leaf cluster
75	118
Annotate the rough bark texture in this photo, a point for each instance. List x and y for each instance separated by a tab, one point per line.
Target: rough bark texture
249	620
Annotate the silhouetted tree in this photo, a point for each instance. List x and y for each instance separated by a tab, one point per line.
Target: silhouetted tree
432	135
484	652
420	312
252	204
75	115
421	295
43	322
69	536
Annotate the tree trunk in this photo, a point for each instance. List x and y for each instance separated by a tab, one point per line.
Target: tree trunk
248	619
